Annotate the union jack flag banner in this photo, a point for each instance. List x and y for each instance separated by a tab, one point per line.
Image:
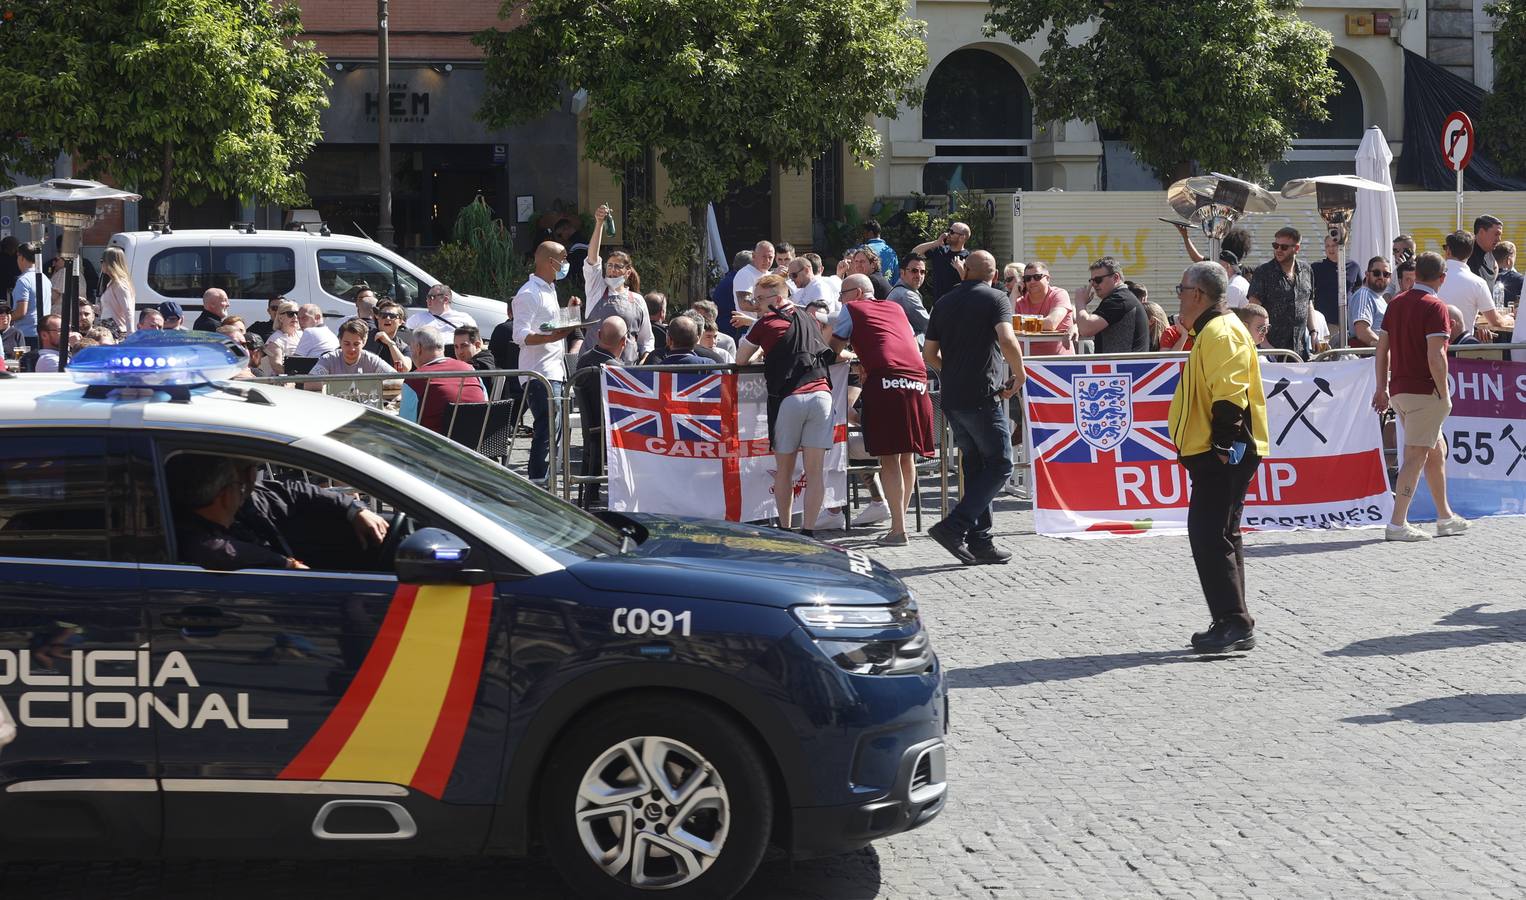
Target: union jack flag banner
696	444
1104	464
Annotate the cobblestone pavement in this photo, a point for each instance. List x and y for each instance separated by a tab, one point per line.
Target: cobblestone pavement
1372	744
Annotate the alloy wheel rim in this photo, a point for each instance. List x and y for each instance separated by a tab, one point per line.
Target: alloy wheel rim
652	813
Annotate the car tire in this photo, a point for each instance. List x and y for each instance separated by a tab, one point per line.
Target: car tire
622	762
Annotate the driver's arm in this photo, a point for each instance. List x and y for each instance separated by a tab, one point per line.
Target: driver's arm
305	500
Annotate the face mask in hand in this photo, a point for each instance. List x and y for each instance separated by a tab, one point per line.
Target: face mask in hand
614	283
562	272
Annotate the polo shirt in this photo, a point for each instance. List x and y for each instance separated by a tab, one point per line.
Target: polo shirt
1413	317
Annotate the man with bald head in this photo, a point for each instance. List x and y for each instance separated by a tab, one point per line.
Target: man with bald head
897	411
748	275
586	381
214	308
535	309
968	337
683	337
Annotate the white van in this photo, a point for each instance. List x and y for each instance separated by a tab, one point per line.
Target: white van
256	266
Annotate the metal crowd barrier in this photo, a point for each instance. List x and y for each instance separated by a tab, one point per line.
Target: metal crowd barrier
494	382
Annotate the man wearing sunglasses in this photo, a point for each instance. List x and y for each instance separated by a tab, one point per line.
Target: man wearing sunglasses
1284	286
1040	298
1120	324
266	328
1218	423
1366	306
390	339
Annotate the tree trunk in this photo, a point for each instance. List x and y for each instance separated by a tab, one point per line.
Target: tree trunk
701	262
166	170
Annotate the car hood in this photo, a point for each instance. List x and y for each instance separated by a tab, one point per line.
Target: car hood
706	559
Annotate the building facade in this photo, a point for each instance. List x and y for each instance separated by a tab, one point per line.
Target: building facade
976	129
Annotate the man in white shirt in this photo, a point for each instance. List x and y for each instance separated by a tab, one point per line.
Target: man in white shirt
316	337
440	315
1239	285
1468	292
810	287
540	348
747	276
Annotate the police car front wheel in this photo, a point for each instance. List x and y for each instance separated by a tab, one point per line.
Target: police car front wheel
658	795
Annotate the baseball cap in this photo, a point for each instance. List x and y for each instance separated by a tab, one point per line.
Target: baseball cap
1228	256
171	310
253	342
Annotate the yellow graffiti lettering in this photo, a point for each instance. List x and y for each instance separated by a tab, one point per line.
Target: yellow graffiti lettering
1127	249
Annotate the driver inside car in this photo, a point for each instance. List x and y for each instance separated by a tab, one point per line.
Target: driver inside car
227	516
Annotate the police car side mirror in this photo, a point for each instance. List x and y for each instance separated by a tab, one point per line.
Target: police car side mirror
435	556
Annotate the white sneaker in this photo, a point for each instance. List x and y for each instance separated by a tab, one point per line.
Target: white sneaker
873	513
1405	532
834	520
1448	527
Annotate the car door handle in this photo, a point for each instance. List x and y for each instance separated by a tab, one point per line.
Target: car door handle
196	620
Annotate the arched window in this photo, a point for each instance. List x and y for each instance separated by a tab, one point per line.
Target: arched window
1328	147
978	115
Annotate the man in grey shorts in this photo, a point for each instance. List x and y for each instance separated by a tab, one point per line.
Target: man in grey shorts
795	358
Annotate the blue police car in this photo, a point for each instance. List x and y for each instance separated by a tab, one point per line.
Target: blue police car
251	621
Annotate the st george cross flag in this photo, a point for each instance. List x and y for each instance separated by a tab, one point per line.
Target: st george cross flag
696	444
1104	464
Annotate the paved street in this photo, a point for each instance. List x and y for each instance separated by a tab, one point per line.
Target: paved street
1372	744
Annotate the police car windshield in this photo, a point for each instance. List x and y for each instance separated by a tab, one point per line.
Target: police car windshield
563	531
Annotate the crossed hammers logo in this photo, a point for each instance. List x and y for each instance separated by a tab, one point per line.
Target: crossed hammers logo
1508	434
1300	410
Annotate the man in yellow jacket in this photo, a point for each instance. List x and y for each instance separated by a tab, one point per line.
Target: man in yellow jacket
1218	422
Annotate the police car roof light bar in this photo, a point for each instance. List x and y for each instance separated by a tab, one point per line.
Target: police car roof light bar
160	359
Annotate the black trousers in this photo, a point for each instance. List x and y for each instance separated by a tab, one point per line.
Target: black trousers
1213	529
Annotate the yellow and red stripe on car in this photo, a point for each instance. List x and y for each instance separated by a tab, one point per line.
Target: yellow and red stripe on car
402	719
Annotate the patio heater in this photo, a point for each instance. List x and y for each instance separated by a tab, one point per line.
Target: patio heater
70	205
1336	197
1214	202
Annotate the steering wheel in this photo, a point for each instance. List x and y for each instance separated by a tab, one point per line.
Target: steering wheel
395	534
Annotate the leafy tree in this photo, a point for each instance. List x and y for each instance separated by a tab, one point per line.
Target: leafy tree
171	98
1503	125
1223	83
720	90
480	258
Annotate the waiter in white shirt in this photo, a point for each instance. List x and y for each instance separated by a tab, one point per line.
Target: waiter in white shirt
536	311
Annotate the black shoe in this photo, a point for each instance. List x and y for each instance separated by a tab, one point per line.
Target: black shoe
1199	636
989	555
944	534
808	532
1225	637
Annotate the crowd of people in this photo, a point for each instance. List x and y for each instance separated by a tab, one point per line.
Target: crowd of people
936	316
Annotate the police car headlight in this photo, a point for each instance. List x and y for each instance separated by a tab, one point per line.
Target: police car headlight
826	617
870	640
911	656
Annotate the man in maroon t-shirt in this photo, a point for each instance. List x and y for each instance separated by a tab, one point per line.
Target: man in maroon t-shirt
799	396
898	413
426	400
1411	363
